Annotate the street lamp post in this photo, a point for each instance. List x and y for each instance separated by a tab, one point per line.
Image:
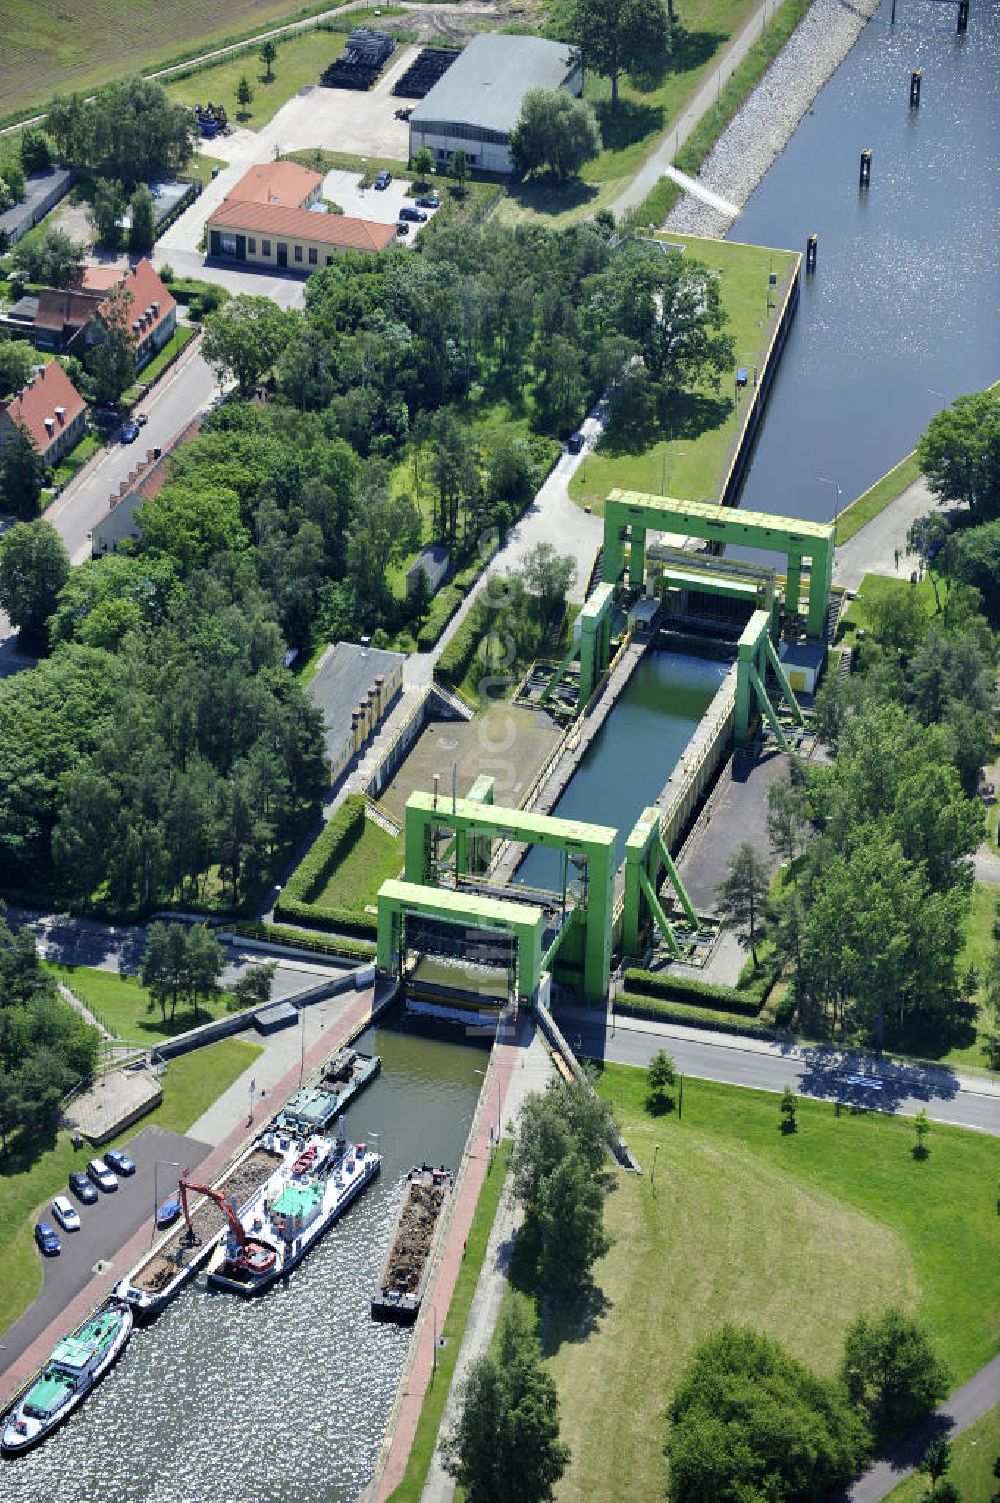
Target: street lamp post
483	1074
678	454
171	1163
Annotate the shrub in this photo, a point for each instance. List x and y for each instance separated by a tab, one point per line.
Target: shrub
455	661
315	944
444	605
692	1017
699	993
327	851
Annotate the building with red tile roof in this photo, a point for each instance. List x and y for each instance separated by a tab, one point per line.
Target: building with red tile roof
50	409
284	183
146	481
76	314
61	315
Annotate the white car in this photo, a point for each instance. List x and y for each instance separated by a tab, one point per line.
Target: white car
64	1213
102	1176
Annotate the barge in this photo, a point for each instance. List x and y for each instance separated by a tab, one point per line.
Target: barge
328	1093
407	1265
76	1366
175	1260
314	1184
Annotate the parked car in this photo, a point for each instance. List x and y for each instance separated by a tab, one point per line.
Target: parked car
82	1187
383	179
428	201
130	433
416	216
67	1217
402	228
575	443
102	1176
119	1162
107	416
47	1240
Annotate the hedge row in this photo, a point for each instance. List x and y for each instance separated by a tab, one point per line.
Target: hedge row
698	993
690	1017
333	920
444	605
454	663
327	850
316	944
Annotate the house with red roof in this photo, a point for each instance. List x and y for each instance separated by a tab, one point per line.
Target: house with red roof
151	312
268	219
50	409
146	480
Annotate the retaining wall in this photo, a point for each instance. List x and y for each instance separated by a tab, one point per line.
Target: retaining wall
235	1022
698	763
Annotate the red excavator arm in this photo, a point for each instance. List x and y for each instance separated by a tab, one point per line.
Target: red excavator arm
184	1185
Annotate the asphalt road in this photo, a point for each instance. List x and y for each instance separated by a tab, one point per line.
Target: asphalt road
107	1226
186	390
855	1080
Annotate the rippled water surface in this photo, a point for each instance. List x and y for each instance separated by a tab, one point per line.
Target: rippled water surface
902	314
283	1399
634	753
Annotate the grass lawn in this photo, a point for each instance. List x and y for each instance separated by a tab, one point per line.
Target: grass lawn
425	1439
190	1085
875	587
121	1003
374	858
60	46
794	1235
690	463
201	165
877	497
76	458
318	159
301	59
150	373
632	131
978	944
973	1455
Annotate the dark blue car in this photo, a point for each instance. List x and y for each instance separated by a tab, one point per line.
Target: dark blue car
47	1240
119	1162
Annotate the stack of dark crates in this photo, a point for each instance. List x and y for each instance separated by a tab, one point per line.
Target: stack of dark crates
363	59
422	74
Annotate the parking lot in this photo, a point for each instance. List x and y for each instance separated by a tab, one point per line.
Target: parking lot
380	204
106	1226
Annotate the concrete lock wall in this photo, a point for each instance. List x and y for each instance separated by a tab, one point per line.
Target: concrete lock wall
707	749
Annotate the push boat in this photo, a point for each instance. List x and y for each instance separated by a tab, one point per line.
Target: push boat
76	1366
316	1182
404	1274
328	1093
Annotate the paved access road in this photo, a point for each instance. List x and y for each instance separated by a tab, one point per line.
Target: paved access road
856	1080
188	388
106	1227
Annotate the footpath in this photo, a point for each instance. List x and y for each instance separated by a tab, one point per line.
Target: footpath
353	1018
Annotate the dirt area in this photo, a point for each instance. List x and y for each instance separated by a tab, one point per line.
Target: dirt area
414	1235
508	742
207	1220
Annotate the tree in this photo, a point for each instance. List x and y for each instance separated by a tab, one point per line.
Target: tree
21	473
569	1221
743	894
54	259
189	526
548	576
789	1106
936	1459
107	208
252	986
661	1075
554	133
244	339
613	36
560	386
268	56
142	235
960	454
111	357
564	1117
505	1446
921	1126
130	130
458	168
892	1372
244	96
787	812
423	163
16	361
671	308
751	1423
419	597
205	963
164	971
36	150
974	558
34	566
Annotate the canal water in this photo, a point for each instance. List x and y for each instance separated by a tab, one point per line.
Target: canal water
633	754
283	1399
903	312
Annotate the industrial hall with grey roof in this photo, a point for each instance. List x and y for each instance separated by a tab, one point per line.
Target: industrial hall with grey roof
475	106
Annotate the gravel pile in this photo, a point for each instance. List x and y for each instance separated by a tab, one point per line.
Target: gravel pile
765	124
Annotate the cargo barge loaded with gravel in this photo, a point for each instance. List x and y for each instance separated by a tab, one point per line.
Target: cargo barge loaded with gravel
404	1273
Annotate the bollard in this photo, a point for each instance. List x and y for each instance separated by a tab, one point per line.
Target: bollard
812	248
865	172
915	78
963	17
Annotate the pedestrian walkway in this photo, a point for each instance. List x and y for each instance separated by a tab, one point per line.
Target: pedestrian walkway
879	547
354	1017
533	1074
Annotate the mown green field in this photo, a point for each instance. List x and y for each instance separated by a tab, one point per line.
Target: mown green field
121	1003
691	465
27	1184
795	1235
374	858
301	60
